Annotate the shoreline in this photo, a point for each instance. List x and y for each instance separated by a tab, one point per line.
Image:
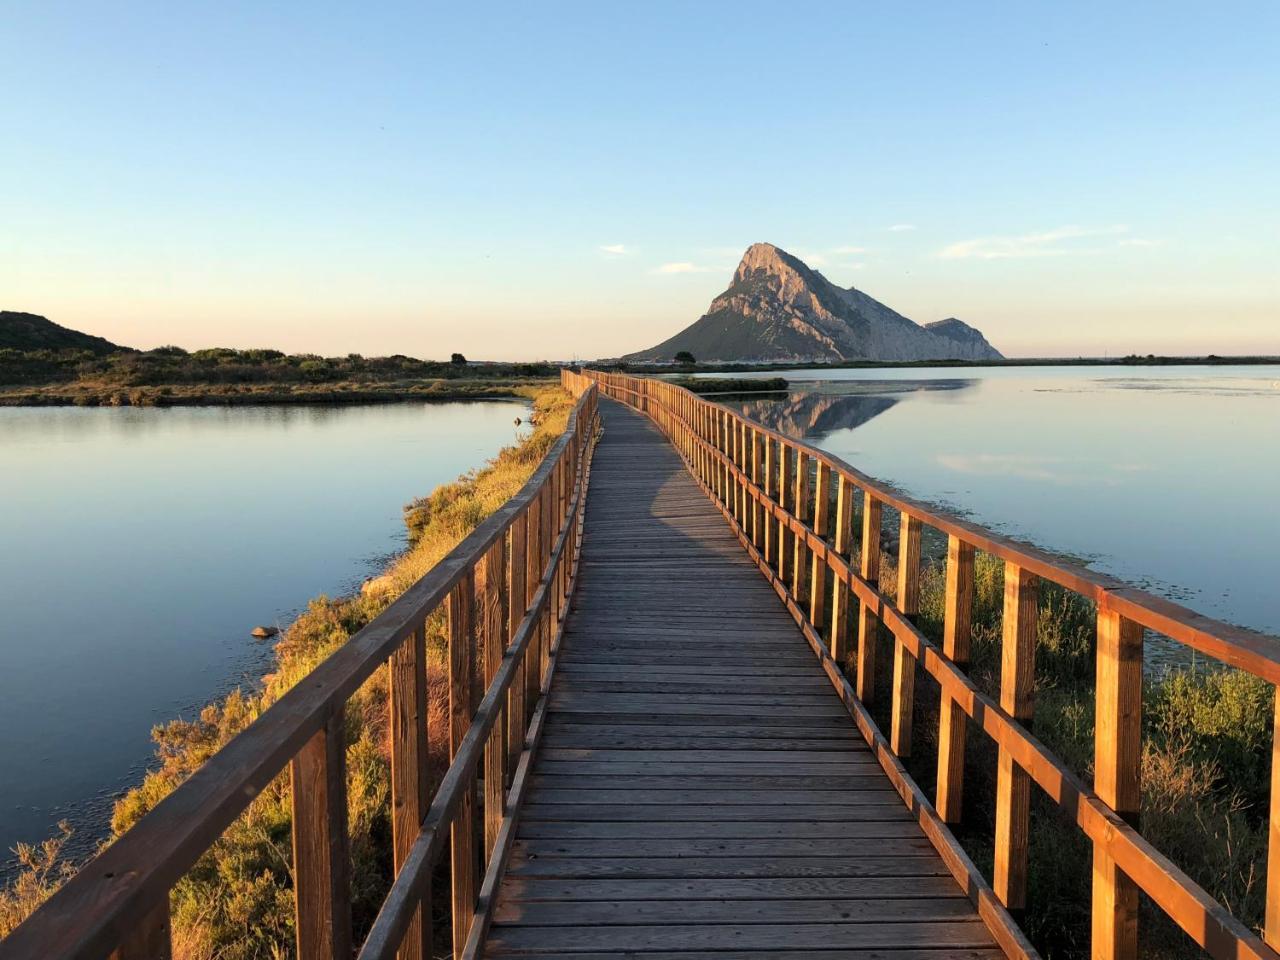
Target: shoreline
178	395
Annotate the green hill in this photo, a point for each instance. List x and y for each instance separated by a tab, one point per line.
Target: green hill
29	331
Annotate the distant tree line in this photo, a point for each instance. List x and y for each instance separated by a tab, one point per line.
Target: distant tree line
223	365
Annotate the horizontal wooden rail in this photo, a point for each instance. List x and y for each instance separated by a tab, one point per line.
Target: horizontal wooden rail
763	483
505	588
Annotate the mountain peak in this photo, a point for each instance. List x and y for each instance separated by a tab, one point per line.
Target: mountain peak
778	308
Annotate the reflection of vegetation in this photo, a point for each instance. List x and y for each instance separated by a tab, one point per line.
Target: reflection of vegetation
1205	766
237	902
171	375
732	384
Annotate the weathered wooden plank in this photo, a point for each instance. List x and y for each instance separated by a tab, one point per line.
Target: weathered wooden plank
868	624
461	690
651	868
627	912
407	703
711	848
322	888
1116	778
710	936
787	889
728	797
1013	787
955	645
694	810
897	827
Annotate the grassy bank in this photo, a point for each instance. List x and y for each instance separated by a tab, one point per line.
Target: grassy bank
170	376
237	902
1205	765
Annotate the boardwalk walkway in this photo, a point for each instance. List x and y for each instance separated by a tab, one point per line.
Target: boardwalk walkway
700	788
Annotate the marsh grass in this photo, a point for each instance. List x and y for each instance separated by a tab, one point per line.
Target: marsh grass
236	903
1205	765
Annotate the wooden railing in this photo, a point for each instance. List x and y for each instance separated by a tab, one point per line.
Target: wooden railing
791	506
505	589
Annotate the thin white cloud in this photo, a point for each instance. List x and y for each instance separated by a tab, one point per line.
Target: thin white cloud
902	227
1057	242
615	249
845	251
857	266
681	267
1138	242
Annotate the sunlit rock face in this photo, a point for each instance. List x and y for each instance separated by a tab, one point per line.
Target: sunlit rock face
777	308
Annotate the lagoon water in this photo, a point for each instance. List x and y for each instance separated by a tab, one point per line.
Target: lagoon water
138	548
1168	477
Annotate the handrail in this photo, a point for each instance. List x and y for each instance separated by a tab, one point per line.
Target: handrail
505	587
778	492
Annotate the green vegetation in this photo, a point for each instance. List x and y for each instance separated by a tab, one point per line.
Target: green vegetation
168	376
237	902
1205	765
732	384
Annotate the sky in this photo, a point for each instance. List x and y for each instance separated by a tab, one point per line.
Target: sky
559	180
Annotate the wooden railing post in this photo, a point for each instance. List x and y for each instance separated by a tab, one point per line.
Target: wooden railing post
784	476
838	642
150	939
410	792
322	888
868	623
1013	786
904	662
955	645
518	603
770	475
533	574
800	509
757	511
461	707
1117	778
494	646
818	566
1271	923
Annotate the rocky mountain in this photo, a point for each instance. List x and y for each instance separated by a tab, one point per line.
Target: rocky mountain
777	308
30	331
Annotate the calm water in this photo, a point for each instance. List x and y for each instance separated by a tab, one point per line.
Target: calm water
1168	477
138	548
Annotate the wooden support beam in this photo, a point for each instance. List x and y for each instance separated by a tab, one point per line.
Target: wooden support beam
868	623
494	639
957	611
784	484
1013	786
151	939
1271	928
770	475
410	792
904	663
800	509
322	887
818	565
841	597
1117	778
517	565
461	707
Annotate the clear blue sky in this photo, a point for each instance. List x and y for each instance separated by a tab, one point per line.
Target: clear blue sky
424	178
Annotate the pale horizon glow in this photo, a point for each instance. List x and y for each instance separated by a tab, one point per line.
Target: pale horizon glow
580	182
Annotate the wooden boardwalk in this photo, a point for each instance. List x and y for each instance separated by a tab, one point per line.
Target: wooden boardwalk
700	788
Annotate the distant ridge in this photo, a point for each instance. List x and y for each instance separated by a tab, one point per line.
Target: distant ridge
30	331
778	308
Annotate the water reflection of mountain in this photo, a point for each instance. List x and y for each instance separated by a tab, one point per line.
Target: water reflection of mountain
815	414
